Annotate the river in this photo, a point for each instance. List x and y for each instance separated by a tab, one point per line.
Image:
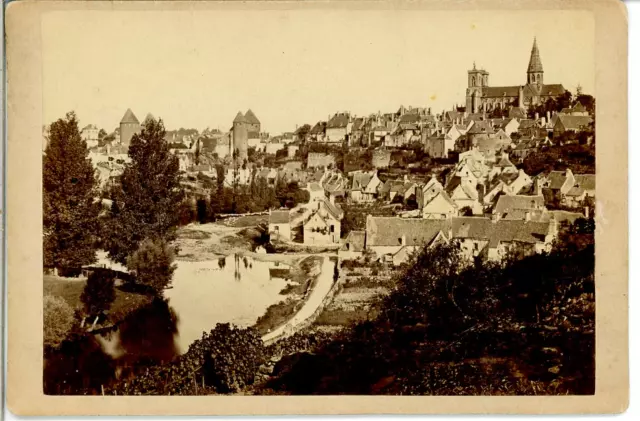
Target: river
234	289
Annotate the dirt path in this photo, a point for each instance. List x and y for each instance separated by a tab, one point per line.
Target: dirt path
323	286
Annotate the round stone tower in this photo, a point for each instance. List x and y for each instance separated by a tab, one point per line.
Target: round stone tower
240	136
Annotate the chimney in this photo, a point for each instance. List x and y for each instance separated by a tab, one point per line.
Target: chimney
537	116
586	212
548	116
494	217
403	240
527	216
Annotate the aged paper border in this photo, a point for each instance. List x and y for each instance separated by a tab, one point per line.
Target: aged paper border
24	232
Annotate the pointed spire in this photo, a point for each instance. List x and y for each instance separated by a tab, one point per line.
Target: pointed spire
148	118
251	117
535	64
239	118
129	117
474	65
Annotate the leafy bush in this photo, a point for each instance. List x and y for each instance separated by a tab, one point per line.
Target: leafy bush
99	293
153	264
223	361
58	320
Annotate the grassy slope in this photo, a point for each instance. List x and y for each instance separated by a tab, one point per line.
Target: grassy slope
71	288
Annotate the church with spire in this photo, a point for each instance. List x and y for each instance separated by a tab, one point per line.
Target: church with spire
481	97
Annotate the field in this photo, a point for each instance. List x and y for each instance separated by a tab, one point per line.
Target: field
357	300
70	290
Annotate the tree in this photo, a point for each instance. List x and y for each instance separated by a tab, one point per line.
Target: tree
99	293
148	195
152	264
302	132
58	320
70	209
588	101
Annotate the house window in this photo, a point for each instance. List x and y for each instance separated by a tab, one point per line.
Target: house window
476	246
331	228
277	228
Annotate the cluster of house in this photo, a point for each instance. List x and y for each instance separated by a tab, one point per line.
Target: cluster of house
319	221
489	207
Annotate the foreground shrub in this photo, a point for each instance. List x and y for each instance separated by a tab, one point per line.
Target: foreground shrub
58	320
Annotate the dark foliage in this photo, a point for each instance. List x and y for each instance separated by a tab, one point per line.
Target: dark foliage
580	158
525	327
152	264
69	206
355	216
99	292
145	202
223	361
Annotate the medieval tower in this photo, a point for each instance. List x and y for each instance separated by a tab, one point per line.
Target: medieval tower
239	136
129	125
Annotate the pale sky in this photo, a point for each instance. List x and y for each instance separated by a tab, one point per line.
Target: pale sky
294	67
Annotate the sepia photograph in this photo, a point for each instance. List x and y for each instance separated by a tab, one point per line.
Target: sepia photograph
302	201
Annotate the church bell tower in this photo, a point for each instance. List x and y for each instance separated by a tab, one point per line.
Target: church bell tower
535	74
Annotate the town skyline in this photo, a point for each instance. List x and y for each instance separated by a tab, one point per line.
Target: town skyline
202	83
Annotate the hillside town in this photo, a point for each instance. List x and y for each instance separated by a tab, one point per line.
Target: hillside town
474	190
334	212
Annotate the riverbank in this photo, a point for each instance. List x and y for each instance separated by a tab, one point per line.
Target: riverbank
70	289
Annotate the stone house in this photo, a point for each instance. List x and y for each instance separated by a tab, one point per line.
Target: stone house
494	238
353	246
280	224
393	239
323	225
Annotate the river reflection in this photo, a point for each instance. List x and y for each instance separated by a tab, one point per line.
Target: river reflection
234	289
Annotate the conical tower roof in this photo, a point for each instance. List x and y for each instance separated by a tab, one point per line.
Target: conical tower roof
148	118
250	117
535	64
129	117
239	118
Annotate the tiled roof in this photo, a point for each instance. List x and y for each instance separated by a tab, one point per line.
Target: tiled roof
586	181
468	190
574	121
355	239
480	228
576	191
443	194
360	180
480	127
508	203
239	118
504	162
389	231
318	128
357	124
333	209
251	118
279	217
552	90
338	121
500	91
129	117
556	179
